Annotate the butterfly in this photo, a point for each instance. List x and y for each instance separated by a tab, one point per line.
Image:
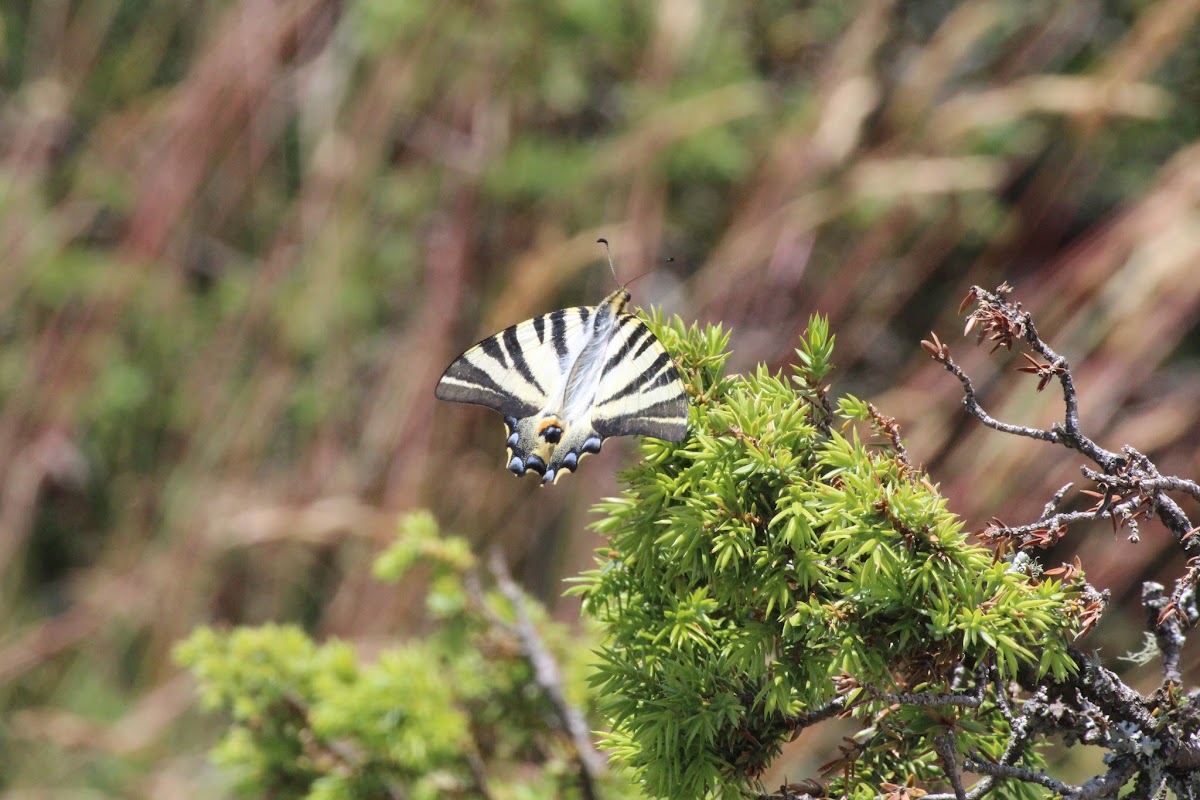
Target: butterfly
567	380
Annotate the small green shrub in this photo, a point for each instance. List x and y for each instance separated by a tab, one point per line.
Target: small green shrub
437	717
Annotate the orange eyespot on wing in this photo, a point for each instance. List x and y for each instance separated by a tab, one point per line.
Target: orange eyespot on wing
551	429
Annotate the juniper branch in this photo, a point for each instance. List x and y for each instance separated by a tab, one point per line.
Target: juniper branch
831	709
1167	631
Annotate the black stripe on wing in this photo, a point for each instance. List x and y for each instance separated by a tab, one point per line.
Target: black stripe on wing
640	331
558	332
513	346
466	382
651	377
666	420
491	346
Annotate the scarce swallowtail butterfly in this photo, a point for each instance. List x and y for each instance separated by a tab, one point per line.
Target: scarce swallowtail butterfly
567	380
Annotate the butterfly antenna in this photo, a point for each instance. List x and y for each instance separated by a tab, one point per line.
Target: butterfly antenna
647	272
608	252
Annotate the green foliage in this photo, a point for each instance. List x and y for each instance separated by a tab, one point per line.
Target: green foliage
426	719
768	565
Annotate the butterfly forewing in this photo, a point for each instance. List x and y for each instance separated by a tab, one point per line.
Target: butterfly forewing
640	392
515	371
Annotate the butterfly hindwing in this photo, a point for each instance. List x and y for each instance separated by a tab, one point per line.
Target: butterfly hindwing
638	392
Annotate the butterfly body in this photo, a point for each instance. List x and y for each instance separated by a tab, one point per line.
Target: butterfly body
567	380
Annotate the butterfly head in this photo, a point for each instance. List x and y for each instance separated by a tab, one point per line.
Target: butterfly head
617	301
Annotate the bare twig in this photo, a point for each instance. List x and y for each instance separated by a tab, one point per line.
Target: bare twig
1009	771
1106	690
1183	599
1093	706
971	403
1171	484
1023	728
1005	323
1054	502
1001	692
1138	477
549	678
928	699
1108	784
831	709
946	749
478	774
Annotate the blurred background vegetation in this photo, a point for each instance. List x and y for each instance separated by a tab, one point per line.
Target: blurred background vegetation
240	239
